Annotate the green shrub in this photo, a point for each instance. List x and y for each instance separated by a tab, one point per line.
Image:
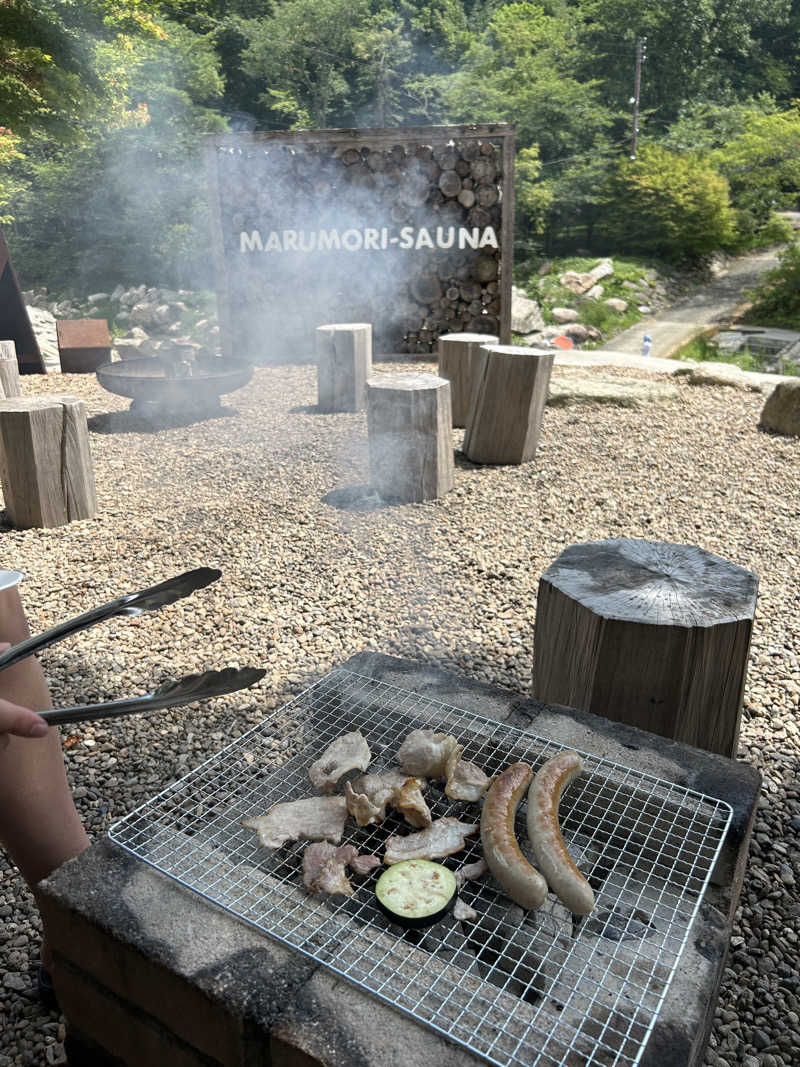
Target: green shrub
776	302
668	204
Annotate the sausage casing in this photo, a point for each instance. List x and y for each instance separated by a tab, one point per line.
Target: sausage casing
521	881
555	862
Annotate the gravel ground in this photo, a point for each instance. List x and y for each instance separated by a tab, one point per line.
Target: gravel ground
313	571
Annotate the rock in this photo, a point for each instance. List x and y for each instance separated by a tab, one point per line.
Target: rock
116	295
137	333
579	332
127	348
564	314
43	324
711	373
604	269
526	315
547	266
97	298
595	292
143	314
619	392
630	285
614	302
644	309
781	412
577	283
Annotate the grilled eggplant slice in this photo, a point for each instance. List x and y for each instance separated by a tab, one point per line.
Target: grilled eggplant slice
416	893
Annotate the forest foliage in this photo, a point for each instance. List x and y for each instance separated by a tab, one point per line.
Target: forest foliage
104	104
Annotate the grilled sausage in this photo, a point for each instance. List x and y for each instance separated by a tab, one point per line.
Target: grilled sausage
551	853
521	881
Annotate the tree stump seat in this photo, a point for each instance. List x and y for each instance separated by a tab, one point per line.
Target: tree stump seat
410	444
647	633
9	371
45	461
344	363
459	356
507	402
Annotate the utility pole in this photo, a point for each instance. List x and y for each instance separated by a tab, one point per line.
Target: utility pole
637	86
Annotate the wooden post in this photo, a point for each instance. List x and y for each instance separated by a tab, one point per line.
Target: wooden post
344	363
409	427
47	472
507	404
647	633
459	354
9	374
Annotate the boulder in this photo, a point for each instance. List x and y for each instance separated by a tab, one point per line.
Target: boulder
595	292
578	332
564	314
569	389
644	309
577	283
97	298
711	373
143	314
604	269
43	324
781	412
614	302
526	315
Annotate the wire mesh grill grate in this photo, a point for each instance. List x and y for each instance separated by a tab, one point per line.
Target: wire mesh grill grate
515	987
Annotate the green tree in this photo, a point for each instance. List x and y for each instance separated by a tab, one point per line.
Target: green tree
668	204
776	302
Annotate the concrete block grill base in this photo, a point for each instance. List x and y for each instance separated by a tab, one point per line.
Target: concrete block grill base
148	972
344	364
410	442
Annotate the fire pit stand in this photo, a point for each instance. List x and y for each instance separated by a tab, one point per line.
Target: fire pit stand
149	972
161	386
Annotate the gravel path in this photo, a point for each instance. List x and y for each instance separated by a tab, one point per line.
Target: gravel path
313	573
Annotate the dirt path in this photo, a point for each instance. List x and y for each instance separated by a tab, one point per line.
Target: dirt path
708	304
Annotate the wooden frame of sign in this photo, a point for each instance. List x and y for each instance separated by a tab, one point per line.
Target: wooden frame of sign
408	228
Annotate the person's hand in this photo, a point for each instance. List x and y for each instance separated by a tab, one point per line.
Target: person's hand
15	719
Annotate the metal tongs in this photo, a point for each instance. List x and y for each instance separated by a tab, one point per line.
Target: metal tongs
171	694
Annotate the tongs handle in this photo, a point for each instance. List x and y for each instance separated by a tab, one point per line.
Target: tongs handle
169	695
157	596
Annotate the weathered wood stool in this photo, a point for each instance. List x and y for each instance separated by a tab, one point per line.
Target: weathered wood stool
507	404
9	370
647	633
409	427
45	461
83	345
344	363
459	354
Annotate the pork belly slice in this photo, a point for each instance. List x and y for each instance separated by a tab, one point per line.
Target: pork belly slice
442	838
463	912
368	798
471	871
439	756
310	819
350	752
325	867
424	752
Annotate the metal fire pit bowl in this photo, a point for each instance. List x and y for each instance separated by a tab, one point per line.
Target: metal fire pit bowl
151	388
518	988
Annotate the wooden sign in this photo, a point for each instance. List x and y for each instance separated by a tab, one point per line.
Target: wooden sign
409	229
14	322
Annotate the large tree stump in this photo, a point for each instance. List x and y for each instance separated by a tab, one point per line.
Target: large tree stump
647	633
410	446
344	363
9	371
46	469
459	355
507	404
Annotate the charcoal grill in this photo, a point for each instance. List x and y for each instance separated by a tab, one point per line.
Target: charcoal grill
514	987
152	386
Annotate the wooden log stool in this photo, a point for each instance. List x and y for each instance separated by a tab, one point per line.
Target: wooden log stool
83	345
459	355
409	427
507	404
647	633
344	363
9	370
45	462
